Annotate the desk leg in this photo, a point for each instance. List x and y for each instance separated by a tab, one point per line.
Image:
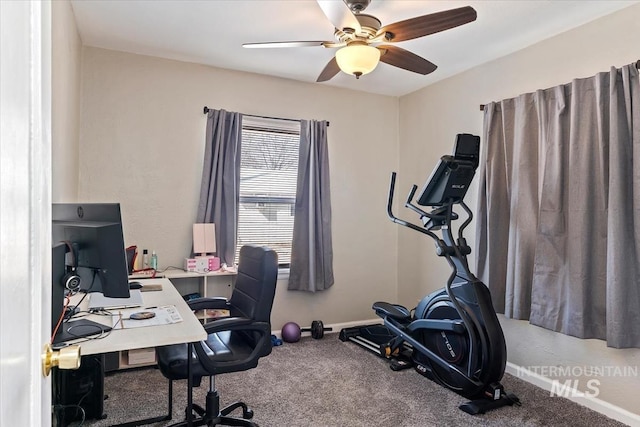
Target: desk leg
154	419
170	405
189	386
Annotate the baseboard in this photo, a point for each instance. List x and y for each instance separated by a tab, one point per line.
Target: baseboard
336	327
593	403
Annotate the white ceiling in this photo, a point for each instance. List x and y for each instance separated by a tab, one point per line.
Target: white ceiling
212	32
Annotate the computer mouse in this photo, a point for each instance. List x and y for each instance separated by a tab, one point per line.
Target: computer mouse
135	285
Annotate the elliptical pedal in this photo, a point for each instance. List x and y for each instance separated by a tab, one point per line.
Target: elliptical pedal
400	364
481	406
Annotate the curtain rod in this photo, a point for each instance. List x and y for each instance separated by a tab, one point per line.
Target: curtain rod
637	67
206	109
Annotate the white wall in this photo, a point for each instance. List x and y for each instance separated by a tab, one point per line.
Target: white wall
431	117
65	98
142	141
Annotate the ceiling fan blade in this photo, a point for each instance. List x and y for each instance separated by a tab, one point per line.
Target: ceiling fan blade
428	24
330	70
406	60
339	14
285	44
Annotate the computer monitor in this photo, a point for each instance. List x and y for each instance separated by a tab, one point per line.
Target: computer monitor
94	231
452	176
58	271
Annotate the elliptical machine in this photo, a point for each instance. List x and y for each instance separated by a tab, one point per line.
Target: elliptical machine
454	333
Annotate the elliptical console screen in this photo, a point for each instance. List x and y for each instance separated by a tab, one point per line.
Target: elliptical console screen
452	176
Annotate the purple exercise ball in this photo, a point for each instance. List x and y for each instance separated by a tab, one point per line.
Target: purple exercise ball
291	332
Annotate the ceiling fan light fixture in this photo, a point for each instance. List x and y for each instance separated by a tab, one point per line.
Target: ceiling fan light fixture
358	59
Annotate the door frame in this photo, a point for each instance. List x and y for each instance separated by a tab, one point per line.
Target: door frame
25	210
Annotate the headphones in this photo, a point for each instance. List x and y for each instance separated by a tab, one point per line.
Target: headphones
71	280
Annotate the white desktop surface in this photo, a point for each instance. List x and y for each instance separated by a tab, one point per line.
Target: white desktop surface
189	330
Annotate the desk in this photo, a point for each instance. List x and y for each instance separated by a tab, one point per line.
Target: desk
190	330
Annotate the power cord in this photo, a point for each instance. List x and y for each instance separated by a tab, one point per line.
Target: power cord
59	412
61	319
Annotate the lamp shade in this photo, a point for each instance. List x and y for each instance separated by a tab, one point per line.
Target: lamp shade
358	59
204	238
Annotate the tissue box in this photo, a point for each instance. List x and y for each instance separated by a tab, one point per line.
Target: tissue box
202	264
190	264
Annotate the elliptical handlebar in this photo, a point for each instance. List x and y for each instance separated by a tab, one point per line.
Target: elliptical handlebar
411	194
446	246
402	222
438	214
466	222
392	187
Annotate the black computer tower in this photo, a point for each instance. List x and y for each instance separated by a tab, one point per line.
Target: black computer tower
79	393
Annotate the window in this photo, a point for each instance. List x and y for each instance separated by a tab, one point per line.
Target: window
268	176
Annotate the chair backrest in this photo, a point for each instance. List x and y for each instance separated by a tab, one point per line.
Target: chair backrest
255	285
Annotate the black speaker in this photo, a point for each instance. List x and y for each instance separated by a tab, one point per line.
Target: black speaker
78	391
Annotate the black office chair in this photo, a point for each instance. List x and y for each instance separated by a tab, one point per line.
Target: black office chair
235	343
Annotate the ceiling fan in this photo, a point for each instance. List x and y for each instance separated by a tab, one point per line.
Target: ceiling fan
361	38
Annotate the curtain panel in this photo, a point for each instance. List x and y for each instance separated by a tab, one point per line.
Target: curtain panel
558	224
220	186
311	267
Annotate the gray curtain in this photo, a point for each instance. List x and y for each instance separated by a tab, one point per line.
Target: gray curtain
311	266
220	187
558	227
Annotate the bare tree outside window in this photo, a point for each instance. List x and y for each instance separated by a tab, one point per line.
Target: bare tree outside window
268	176
269	150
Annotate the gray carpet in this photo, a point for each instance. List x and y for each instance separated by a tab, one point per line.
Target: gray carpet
327	383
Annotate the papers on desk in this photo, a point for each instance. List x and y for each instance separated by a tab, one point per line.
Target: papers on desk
165	315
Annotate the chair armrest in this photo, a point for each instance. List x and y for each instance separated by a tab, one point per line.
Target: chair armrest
262	346
213	303
226	324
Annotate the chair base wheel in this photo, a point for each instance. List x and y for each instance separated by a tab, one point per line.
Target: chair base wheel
247	413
